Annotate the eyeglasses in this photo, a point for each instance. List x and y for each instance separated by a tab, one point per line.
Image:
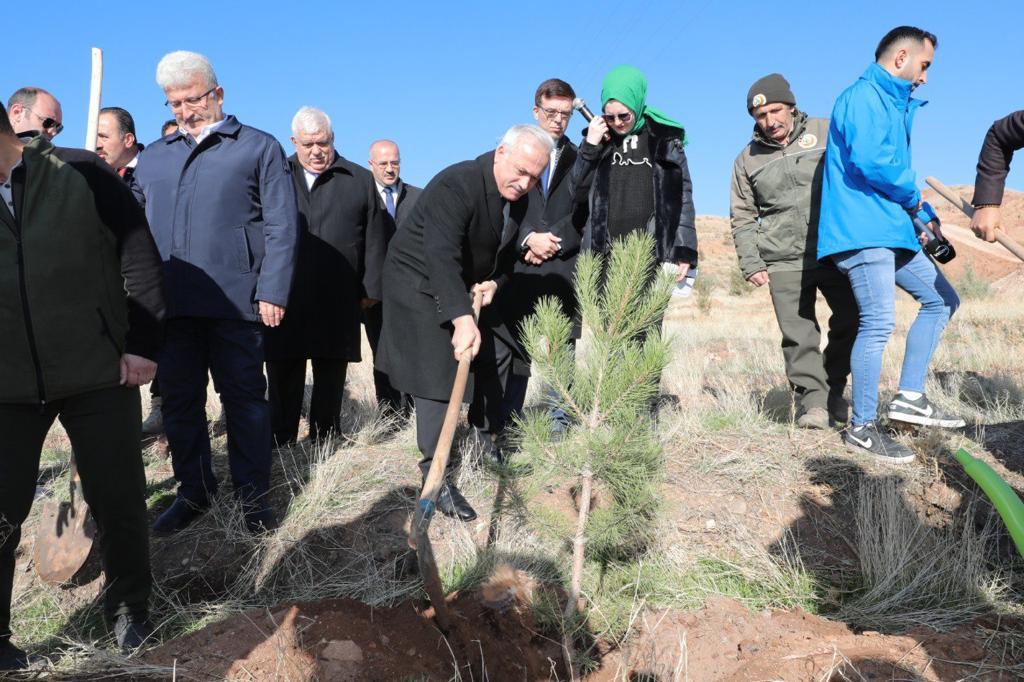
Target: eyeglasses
49	123
555	114
387	164
191	101
621	118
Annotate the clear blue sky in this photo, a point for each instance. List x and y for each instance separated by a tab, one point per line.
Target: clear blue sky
445	79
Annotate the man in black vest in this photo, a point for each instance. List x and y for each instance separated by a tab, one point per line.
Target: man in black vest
396	199
549	238
340	246
459	239
81	304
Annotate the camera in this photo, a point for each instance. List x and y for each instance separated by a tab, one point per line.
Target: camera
939	249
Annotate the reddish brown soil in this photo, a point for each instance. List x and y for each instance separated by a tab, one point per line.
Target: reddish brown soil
725	641
348	640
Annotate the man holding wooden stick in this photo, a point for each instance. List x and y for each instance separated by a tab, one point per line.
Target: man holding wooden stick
1004	137
460	238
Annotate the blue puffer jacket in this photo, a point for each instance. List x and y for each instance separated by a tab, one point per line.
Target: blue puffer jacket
223	214
868	185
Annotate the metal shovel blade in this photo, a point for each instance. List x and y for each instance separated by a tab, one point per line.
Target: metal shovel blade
65	536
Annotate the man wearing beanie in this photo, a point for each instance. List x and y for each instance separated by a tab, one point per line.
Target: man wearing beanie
775	200
869	197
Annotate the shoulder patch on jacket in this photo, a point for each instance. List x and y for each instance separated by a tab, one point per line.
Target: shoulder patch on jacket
807	140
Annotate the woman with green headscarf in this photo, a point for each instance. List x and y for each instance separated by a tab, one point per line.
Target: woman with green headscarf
633	162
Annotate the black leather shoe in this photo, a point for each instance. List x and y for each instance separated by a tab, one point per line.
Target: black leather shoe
451	503
178	516
11	657
260	518
132	630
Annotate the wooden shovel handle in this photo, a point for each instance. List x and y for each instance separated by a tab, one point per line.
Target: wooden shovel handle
95	94
435	477
952	197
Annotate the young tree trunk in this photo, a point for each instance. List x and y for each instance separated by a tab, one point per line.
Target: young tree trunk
579	544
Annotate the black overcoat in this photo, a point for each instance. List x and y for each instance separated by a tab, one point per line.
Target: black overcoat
564	215
407	197
340	246
460	232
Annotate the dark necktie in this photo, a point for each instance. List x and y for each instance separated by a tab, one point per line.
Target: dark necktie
389	201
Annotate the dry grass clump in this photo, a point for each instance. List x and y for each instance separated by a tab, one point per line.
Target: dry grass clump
913	574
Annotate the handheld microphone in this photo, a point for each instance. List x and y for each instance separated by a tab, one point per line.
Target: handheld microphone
579	105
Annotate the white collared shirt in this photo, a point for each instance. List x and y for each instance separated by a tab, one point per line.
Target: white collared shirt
396	189
6	191
205	132
553	161
310	177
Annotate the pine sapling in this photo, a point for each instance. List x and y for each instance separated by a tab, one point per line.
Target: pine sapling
607	390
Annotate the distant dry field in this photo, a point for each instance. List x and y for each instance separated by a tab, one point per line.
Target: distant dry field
779	555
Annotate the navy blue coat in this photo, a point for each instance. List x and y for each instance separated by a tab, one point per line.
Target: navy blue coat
223	214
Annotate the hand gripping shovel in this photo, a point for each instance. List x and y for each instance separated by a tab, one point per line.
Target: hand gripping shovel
419	535
65	535
952	197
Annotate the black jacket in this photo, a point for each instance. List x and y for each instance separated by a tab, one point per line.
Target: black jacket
564	215
341	247
1004	137
673	224
80	277
406	199
460	232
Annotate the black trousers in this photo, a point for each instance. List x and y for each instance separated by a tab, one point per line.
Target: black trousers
488	409
387	395
105	429
232	351
287	381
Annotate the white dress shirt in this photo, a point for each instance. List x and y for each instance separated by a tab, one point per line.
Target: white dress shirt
310	177
205	132
6	191
396	189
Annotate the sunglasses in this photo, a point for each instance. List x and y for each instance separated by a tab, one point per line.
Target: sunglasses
621	118
49	123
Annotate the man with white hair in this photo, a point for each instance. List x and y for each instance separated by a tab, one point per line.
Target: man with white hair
459	240
221	204
341	232
33	112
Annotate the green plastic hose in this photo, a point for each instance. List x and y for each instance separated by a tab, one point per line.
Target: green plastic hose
1006	502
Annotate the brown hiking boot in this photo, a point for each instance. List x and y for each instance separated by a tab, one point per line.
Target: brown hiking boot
814	418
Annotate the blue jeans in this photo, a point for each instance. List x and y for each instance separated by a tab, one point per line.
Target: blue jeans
874	275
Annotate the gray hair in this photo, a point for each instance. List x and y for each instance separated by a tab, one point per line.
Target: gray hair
517	134
179	69
311	120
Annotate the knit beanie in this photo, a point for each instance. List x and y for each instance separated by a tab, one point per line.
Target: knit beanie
771	88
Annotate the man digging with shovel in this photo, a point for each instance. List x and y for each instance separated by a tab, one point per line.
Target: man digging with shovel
80	307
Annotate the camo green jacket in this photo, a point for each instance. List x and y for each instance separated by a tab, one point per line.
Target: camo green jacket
775	199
